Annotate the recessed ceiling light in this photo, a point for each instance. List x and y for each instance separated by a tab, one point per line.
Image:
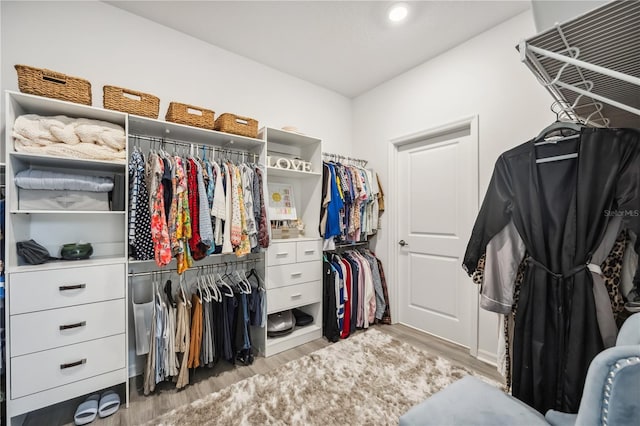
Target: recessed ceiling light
398	12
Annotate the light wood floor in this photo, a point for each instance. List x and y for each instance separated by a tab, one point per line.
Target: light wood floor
205	381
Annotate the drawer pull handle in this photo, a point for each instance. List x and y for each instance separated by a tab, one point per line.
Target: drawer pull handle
309	251
76	325
72	287
73	364
282	254
297	295
296	274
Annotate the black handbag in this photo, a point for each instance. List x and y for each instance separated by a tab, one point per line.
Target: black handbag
32	252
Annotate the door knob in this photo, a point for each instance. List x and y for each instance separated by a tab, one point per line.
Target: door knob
403	243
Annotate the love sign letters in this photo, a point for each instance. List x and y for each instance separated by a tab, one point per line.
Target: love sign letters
289	164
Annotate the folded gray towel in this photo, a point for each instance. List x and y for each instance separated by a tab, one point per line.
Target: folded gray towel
43	179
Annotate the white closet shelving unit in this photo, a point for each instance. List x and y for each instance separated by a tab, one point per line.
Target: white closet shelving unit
591	64
66	322
223	144
294	266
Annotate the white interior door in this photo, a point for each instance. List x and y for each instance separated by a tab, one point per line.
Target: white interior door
437	193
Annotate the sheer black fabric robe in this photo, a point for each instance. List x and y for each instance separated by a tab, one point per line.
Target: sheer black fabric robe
560	210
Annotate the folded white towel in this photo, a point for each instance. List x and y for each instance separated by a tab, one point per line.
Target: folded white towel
32	131
82	150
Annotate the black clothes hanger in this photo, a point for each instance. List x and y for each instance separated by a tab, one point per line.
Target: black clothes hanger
167	290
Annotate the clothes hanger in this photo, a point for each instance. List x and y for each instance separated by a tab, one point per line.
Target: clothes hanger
557	158
244	284
156	288
221	281
559	125
183	292
167	290
248	275
258	277
235	281
216	294
204	293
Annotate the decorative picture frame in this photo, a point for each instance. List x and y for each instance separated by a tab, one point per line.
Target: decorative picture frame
282	204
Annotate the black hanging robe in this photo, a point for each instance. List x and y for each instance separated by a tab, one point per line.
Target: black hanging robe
561	210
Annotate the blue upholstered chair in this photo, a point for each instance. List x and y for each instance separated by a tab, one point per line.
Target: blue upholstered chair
611	395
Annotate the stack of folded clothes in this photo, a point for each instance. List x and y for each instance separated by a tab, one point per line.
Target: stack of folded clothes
48	190
63	136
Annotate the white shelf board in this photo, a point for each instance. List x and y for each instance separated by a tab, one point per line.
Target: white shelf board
65	212
293	174
32	104
299	331
63	264
70	163
299	239
156	128
288	138
137	266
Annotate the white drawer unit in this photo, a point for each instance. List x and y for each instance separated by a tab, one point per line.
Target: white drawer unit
295	273
37	331
50	289
280	299
281	253
307	251
56	367
294	280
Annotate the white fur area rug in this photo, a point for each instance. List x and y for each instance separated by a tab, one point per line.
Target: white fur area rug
370	378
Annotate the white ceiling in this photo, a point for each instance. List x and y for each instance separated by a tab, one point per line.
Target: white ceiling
346	46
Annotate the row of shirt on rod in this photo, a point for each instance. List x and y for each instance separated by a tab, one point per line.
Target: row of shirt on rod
352	202
188	208
198	324
355	293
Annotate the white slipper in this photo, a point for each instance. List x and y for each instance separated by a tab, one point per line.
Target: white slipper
86	411
109	403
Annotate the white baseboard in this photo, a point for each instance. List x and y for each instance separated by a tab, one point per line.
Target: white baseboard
488	357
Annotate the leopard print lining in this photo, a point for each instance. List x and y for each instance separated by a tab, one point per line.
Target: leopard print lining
612	271
478	274
514	308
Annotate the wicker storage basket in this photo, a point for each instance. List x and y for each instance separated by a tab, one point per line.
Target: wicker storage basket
243	126
190	115
43	82
131	101
284	233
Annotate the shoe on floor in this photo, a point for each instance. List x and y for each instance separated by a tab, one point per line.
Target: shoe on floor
632	306
87	411
109	403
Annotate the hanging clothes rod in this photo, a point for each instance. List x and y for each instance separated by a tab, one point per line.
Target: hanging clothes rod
337	157
195	269
165	141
